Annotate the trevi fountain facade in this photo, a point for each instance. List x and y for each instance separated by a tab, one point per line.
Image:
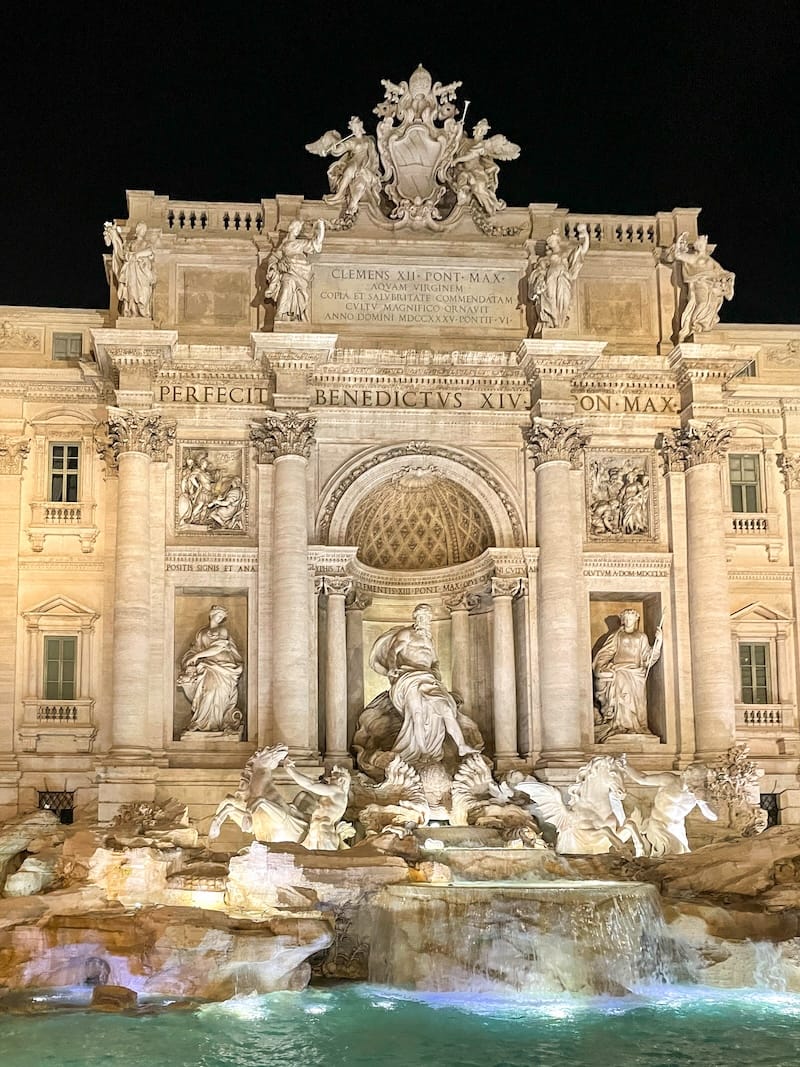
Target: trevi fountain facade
393	544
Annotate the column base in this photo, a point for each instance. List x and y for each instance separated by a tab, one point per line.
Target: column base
9	789
510	761
560	768
338	759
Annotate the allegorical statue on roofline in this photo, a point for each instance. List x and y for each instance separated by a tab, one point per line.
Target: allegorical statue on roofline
133	270
425	169
703	284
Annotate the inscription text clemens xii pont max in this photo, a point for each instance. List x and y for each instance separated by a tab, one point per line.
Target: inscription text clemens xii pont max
417	296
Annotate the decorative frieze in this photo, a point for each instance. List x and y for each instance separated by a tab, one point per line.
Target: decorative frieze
693	444
211	560
291	434
16	338
551	440
13	452
627	564
511	587
137	431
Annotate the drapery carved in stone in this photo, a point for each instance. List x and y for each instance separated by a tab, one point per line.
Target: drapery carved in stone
135	431
283	435
554	439
13	451
693	444
789	463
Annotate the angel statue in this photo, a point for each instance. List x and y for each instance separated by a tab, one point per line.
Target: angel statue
474	173
133	269
355	174
288	273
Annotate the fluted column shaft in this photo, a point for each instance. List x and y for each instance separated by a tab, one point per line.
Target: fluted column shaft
504	672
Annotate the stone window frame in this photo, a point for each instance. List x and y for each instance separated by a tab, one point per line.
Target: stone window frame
762	528
51	723
759	624
64	472
63	426
741	483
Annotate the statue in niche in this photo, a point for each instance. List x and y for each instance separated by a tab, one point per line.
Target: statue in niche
705	283
474	174
621	667
417	719
210	673
551	284
133	269
355	176
288	274
619	497
407	657
679	793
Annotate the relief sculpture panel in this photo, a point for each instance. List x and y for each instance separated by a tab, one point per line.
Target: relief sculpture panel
210	489
619	499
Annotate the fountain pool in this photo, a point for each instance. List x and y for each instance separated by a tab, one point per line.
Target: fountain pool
371	1025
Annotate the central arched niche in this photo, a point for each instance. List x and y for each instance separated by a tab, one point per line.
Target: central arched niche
419	520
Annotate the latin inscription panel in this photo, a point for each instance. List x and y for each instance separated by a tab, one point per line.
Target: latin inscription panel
454	297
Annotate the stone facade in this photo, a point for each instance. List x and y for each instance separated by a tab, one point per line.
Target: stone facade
414	430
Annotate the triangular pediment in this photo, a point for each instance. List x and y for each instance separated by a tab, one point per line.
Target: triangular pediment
759	612
61	606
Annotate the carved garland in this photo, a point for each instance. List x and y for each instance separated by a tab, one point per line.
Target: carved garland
13	452
417	448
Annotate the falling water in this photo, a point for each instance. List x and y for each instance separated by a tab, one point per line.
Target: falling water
587	937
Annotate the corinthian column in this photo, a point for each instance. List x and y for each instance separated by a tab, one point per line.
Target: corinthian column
504	672
336	589
698	448
134	439
354	623
556	448
286	442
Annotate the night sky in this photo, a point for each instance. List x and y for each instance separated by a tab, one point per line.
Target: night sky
629	108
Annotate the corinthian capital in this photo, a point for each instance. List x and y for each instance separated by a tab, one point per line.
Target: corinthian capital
789	463
553	439
696	443
13	451
135	431
288	435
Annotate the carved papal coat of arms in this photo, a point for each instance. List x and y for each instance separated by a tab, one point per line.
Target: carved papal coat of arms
426	169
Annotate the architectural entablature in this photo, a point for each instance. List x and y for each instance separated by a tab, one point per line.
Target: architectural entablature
447	580
623	565
553	358
140	351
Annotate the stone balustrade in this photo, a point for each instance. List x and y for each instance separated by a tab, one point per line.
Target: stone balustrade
187	217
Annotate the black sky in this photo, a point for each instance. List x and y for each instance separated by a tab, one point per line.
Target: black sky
629	108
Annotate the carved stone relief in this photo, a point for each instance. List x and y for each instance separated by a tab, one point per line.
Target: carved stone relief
13	451
210	489
619	498
17	338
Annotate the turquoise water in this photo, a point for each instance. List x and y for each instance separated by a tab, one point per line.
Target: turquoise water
360	1025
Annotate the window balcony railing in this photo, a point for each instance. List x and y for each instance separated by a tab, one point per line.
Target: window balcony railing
56	517
763	716
57	725
754	528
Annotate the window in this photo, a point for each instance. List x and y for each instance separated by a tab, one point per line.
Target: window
745	483
64	469
67	345
754	673
60	654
